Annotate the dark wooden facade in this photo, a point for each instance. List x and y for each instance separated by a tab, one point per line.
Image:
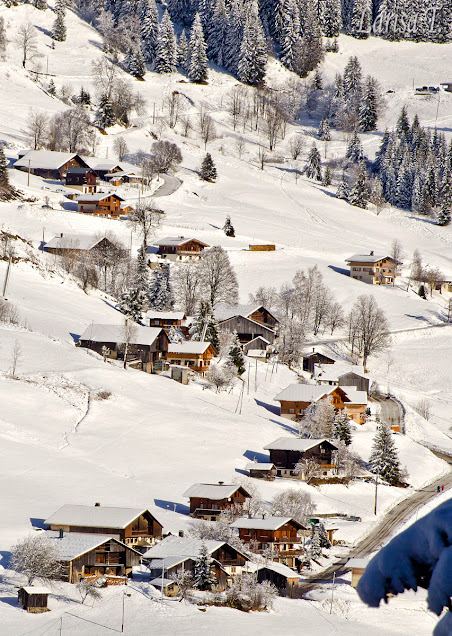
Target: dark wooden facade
81	177
221	576
32	602
191	247
287	459
264	317
315	358
286	585
263	473
112	558
354	379
285	534
247	329
110	205
57	173
210	509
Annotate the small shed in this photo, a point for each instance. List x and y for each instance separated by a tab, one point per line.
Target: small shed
256	344
311	359
33	599
261	470
170	587
179	373
282	577
357	566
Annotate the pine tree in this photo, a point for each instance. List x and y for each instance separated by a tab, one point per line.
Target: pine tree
234	38
359	194
135	64
182	51
330	17
132	303
217	39
205	9
235	354
149	21
205	319
324	130
228	228
4	177
313	168
341	428
181	11
354	150
203	570
384	459
59	28
52	88
403	123
352	86
105	116
443	217
160	294
290	33
342	191
84	97
197	58
327	177
208	170
166	47
323	537
314	550
421	292
142	271
404	185
368	114
252	58
358	20
317	82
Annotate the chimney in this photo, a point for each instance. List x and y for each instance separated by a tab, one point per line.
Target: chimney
221	483
371	253
60	533
313	349
181	533
61	235
97	504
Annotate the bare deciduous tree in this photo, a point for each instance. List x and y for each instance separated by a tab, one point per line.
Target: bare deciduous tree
173	105
206	127
120	147
145	219
36	129
184	581
26	42
423	408
335	319
261	157
218	277
89	588
221	377
307	469
186	282
166	155
293	503
396	253
129	333
370	327
296	146
16	355
37	558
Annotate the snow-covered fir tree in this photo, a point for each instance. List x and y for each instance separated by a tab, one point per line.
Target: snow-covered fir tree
4	177
181	11
343	191
403	123
149	28
252	55
134	63
228	228
234	50
160	294
384	459
235	354
205	10
59	27
217	39
314	549
208	170
132	303
443	217
359	194
142	279
359	18
368	114
52	88
204	577
341	428
324	130
354	150
197	57
290	33
182	51
105	115
327	176
330	17
204	324
323	536
84	97
313	168
166	48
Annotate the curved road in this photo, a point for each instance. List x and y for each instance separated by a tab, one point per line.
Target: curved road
381	532
391	412
171	185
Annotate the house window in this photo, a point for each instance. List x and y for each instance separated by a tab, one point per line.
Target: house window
291	411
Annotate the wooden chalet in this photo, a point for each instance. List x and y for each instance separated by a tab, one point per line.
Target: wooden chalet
119	177
280	535
100	204
78	244
165	319
257	344
261	470
146	349
104	166
311	359
375	269
180	248
283	578
339	375
83	179
286	452
49	164
193	354
85	555
33	599
133	526
174	553
250	321
207	501
296	398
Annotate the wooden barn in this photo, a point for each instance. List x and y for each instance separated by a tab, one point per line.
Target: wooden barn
341	375
313	358
49	164
208	500
195	355
257	344
33	599
180	248
100	204
82	179
165	319
283	578
93	555
261	470
147	345
132	526
247	329
286	452
78	244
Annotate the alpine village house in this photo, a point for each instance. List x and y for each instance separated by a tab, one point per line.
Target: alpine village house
207	501
286	452
373	269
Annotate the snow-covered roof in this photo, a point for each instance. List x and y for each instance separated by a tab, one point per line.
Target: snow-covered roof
74	170
224	311
332	372
257	523
74	241
97	196
295	444
159	582
94	516
181	546
189	347
165	315
280	568
259	466
256	353
49	159
176	241
212	491
357	563
30	589
73	544
258	338
303	393
167	563
366	258
354	396
115	333
121	173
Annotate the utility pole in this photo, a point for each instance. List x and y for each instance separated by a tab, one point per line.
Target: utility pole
5	285
28	181
122	622
332	592
376	493
248	381
61	625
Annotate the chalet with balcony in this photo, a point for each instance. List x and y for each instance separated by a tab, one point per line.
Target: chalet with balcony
207	501
119	177
174	553
286	452
180	248
193	354
82	179
280	535
296	398
133	526
84	555
100	204
146	347
49	164
374	269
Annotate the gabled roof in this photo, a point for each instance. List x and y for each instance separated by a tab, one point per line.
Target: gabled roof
332	372
354	396
190	347
253	322
296	444
258	338
168	562
280	568
75	241
30	589
79	170
269	523
367	258
184	547
177	241
214	491
165	315
115	333
357	562
223	311
121	173
259	466
73	544
97	196
95	516
304	393
45	159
